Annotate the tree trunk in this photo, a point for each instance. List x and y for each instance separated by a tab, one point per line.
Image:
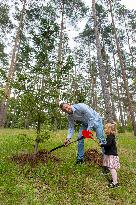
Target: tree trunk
37	138
109	83
125	113
36	147
59	63
96	102
90	75
60	50
93	91
128	39
7	92
106	95
123	69
118	93
111	93
75	86
27	120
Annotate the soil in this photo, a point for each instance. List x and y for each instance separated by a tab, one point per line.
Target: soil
92	156
33	159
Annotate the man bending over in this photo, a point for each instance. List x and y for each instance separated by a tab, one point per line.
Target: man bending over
89	119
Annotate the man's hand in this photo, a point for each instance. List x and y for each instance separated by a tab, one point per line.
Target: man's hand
66	142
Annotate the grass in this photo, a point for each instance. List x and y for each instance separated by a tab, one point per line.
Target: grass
63	183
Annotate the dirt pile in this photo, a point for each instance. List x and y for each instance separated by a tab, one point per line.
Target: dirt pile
92	156
33	159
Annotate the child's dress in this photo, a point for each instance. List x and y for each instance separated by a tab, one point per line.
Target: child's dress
110	158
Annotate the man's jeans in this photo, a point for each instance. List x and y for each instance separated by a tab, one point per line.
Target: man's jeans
99	134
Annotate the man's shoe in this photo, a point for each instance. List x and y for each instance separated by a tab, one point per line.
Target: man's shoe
111	185
79	161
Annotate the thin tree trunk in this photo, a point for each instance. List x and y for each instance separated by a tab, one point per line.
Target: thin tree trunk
90	75
118	93
105	58
111	93
125	113
60	50
123	68
59	63
37	138
7	92
75	85
27	121
93	91
96	102
92	80
106	95
128	39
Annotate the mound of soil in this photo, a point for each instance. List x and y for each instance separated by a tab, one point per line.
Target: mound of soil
33	159
92	156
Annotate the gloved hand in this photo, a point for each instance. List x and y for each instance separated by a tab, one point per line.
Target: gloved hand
66	142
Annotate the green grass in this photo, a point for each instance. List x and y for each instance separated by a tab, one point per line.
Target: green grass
63	183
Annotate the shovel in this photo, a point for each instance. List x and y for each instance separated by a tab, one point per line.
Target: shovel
67	145
86	135
89	135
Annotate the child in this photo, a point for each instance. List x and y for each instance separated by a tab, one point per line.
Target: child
110	158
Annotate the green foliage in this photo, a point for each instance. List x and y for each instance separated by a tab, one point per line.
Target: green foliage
4	18
120	128
43	136
40	80
24	139
1	94
129	126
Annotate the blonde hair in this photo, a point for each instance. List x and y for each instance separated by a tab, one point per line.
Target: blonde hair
110	128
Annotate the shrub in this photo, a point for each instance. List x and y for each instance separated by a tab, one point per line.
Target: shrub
120	128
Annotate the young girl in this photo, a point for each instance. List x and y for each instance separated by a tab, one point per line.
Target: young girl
110	158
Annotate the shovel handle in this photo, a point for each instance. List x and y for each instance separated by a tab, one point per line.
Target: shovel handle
64	145
56	148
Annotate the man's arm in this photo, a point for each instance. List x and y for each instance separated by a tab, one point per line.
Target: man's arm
70	127
90	113
90	124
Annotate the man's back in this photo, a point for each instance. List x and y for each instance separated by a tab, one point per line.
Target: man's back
84	113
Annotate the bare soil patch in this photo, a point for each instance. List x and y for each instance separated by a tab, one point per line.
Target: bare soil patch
33	159
92	156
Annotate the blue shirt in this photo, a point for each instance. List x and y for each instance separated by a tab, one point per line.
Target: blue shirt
86	115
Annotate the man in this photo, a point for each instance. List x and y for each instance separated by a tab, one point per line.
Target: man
89	119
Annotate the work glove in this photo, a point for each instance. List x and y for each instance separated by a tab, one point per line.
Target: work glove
66	142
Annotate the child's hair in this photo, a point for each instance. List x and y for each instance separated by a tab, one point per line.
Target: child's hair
111	128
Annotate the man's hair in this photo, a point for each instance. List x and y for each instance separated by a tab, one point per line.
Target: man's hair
61	105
